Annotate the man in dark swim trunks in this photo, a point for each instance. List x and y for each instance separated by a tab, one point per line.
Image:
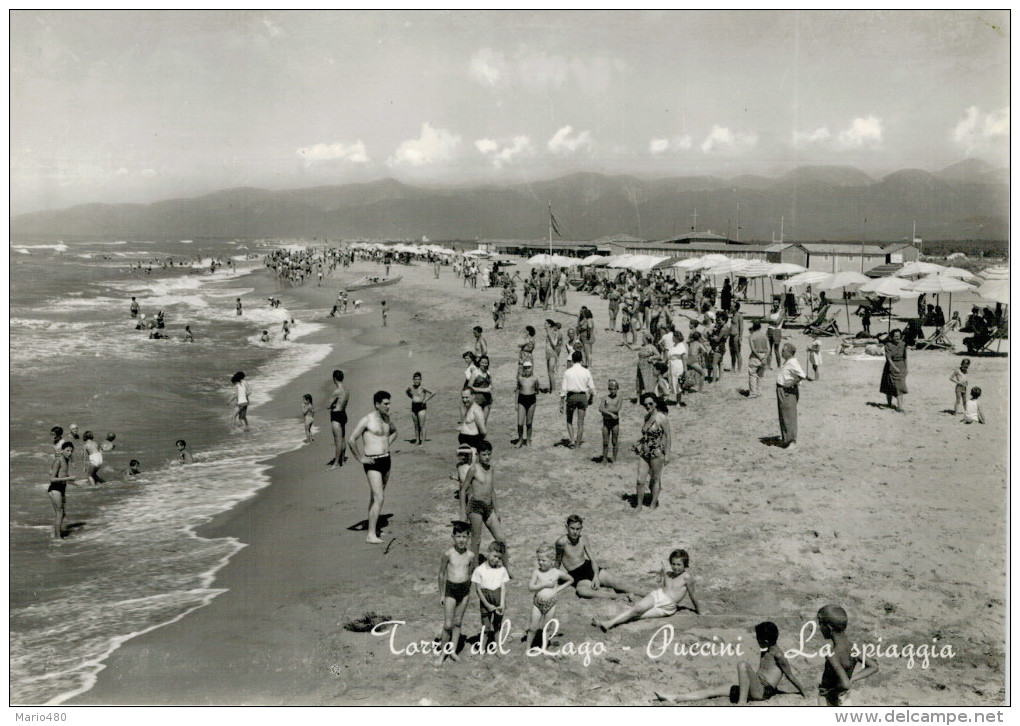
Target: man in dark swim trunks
478	500
338	420
370	444
59	476
573	555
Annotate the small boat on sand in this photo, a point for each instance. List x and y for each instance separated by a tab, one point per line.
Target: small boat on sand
373	281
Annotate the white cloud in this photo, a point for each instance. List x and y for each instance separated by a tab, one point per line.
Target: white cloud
721	140
677	143
807	138
272	28
537	70
565	141
433	145
121	171
500	155
487	66
979	131
148	173
353	153
861	132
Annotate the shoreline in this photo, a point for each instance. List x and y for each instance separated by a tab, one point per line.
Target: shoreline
851	505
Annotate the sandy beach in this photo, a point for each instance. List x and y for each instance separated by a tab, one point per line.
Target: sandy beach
899	517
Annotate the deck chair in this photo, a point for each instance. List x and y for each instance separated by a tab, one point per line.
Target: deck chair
937	340
826	327
1000	333
815	319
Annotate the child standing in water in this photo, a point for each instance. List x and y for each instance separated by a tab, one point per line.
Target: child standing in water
383	305
546	583
308	414
419	397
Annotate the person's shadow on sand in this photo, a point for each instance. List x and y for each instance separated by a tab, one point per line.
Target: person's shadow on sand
772	440
362	526
631	499
877	404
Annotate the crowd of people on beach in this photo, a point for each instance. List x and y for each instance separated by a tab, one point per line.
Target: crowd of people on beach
646	312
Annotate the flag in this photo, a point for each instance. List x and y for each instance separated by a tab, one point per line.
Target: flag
555	227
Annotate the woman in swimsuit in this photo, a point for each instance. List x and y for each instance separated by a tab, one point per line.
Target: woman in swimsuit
553	346
481	386
652	449
370	443
585	334
527	347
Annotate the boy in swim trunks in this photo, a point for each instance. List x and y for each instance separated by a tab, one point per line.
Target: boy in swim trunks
478	499
527	398
610	410
760	685
419	398
574	556
59	477
839	666
546	582
489	579
455	570
676	585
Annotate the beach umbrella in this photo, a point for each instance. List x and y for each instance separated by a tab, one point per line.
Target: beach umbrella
727	267
618	261
755	268
542	259
959	273
564	261
913	269
996	290
888	287
999	272
595	260
664	263
808	277
688	263
939	284
842	281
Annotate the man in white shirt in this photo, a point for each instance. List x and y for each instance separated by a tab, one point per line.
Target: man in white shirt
576	394
787	393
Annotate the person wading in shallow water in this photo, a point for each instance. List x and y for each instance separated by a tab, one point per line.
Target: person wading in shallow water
370	443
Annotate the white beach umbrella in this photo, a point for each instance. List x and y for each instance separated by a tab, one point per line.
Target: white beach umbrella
564	261
595	260
785	268
809	277
619	261
729	266
841	281
996	290
999	272
959	273
893	287
688	263
542	259
913	269
938	284
755	268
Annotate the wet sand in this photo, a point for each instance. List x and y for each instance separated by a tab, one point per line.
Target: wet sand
900	517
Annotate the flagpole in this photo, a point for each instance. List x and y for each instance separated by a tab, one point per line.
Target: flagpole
550	228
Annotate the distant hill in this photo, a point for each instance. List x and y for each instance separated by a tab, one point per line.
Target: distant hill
966	201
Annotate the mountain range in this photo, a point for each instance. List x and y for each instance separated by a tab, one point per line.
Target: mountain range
966	201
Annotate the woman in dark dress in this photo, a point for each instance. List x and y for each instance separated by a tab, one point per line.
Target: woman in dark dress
894	374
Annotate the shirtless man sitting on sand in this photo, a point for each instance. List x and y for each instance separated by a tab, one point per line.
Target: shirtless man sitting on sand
370	444
574	556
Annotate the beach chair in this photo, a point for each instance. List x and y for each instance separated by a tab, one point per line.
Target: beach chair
937	340
1000	333
825	327
815	319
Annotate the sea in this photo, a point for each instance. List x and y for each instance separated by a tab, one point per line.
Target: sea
132	560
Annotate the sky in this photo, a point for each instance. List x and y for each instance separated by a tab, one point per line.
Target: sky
141	106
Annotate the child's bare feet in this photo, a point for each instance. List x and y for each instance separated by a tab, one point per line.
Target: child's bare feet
372	539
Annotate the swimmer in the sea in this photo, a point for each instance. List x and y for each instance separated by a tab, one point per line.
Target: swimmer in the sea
183	455
59	477
94	458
